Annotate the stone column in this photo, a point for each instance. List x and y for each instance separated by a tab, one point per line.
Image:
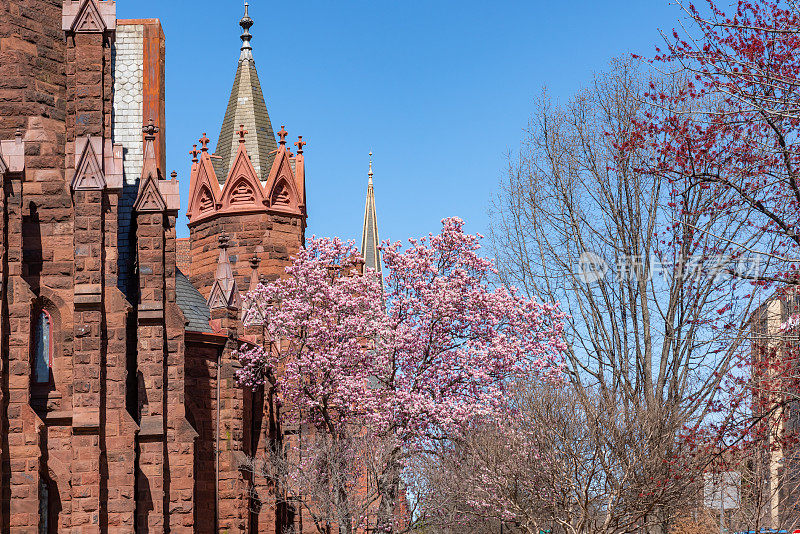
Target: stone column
23	424
180	434
87	359
151	333
225	302
88	27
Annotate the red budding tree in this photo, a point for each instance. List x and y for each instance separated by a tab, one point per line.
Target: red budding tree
729	124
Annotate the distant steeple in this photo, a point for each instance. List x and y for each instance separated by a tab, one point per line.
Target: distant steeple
246	106
369	235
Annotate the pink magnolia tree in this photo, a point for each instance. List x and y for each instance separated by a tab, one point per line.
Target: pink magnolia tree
409	359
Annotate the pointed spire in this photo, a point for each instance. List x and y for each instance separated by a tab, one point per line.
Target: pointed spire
224	293
246	106
150	166
246	23
369	236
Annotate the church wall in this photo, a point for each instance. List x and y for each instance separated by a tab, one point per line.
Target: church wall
32	99
201	410
274	238
107	435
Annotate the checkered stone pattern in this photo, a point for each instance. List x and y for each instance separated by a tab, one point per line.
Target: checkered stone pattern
128	61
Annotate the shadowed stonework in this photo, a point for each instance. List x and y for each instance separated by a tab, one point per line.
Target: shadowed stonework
119	406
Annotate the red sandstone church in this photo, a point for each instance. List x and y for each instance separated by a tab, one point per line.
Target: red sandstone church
119	408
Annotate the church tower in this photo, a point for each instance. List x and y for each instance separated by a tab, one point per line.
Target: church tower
369	235
247	218
252	188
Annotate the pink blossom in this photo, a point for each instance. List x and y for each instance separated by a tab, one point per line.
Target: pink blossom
417	357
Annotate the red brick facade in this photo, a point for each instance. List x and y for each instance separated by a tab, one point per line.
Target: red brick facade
119	410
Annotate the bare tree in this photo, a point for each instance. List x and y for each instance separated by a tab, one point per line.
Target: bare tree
598	476
330	479
656	291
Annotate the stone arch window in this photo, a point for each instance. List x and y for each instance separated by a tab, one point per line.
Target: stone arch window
42	346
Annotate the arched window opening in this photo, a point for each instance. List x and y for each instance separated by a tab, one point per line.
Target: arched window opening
42	347
44	507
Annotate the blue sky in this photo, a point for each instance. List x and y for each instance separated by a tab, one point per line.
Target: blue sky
440	91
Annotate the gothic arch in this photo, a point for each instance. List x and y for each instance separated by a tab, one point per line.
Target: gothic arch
203	190
282	195
242	190
60	314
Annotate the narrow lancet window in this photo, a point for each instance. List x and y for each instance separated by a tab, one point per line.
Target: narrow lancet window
42	348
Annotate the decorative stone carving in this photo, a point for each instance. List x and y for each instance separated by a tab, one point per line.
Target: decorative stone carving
89	16
150	198
88	167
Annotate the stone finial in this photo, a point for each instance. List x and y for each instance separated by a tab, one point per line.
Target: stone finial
255	261
252	310
282	134
194	152
18	136
204	142
150	165
173	175
300	144
150	130
246	23
242	132
224	241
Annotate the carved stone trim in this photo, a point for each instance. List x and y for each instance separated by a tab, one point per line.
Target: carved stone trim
150	198
87	294
89	16
150	311
89	174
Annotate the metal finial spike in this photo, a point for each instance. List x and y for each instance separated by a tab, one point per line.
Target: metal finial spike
370	166
246	23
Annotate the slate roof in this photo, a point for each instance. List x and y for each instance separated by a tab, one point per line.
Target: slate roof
246	106
192	304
